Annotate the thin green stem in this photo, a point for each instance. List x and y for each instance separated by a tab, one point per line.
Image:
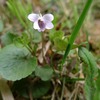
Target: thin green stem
28	47
30	50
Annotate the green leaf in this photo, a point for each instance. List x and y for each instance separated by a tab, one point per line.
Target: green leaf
7	38
88	58
60	44
56	34
98	81
1	25
45	72
91	72
40	88
22	87
16	62
97	93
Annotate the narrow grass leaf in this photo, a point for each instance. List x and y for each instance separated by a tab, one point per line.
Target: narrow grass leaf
91	72
76	29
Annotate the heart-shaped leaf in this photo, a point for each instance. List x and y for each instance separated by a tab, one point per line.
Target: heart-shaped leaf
45	73
40	88
16	62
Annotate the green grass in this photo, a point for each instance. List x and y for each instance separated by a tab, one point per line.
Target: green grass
76	29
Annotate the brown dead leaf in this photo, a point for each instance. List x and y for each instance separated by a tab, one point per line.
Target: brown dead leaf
45	49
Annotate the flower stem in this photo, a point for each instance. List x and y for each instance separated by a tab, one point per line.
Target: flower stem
43	47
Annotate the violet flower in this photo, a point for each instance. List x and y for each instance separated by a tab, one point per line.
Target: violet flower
41	22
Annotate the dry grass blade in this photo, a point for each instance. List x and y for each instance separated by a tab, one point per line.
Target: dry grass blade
45	49
5	90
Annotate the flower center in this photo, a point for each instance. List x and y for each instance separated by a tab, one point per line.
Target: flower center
41	24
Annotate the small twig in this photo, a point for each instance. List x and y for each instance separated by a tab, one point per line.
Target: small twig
44	50
30	94
72	94
53	94
76	92
64	78
62	94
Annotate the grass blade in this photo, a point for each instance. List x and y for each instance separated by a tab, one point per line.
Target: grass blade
76	29
91	72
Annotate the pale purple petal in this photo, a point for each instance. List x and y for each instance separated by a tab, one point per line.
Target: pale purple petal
41	30
48	17
36	26
41	24
33	17
49	25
